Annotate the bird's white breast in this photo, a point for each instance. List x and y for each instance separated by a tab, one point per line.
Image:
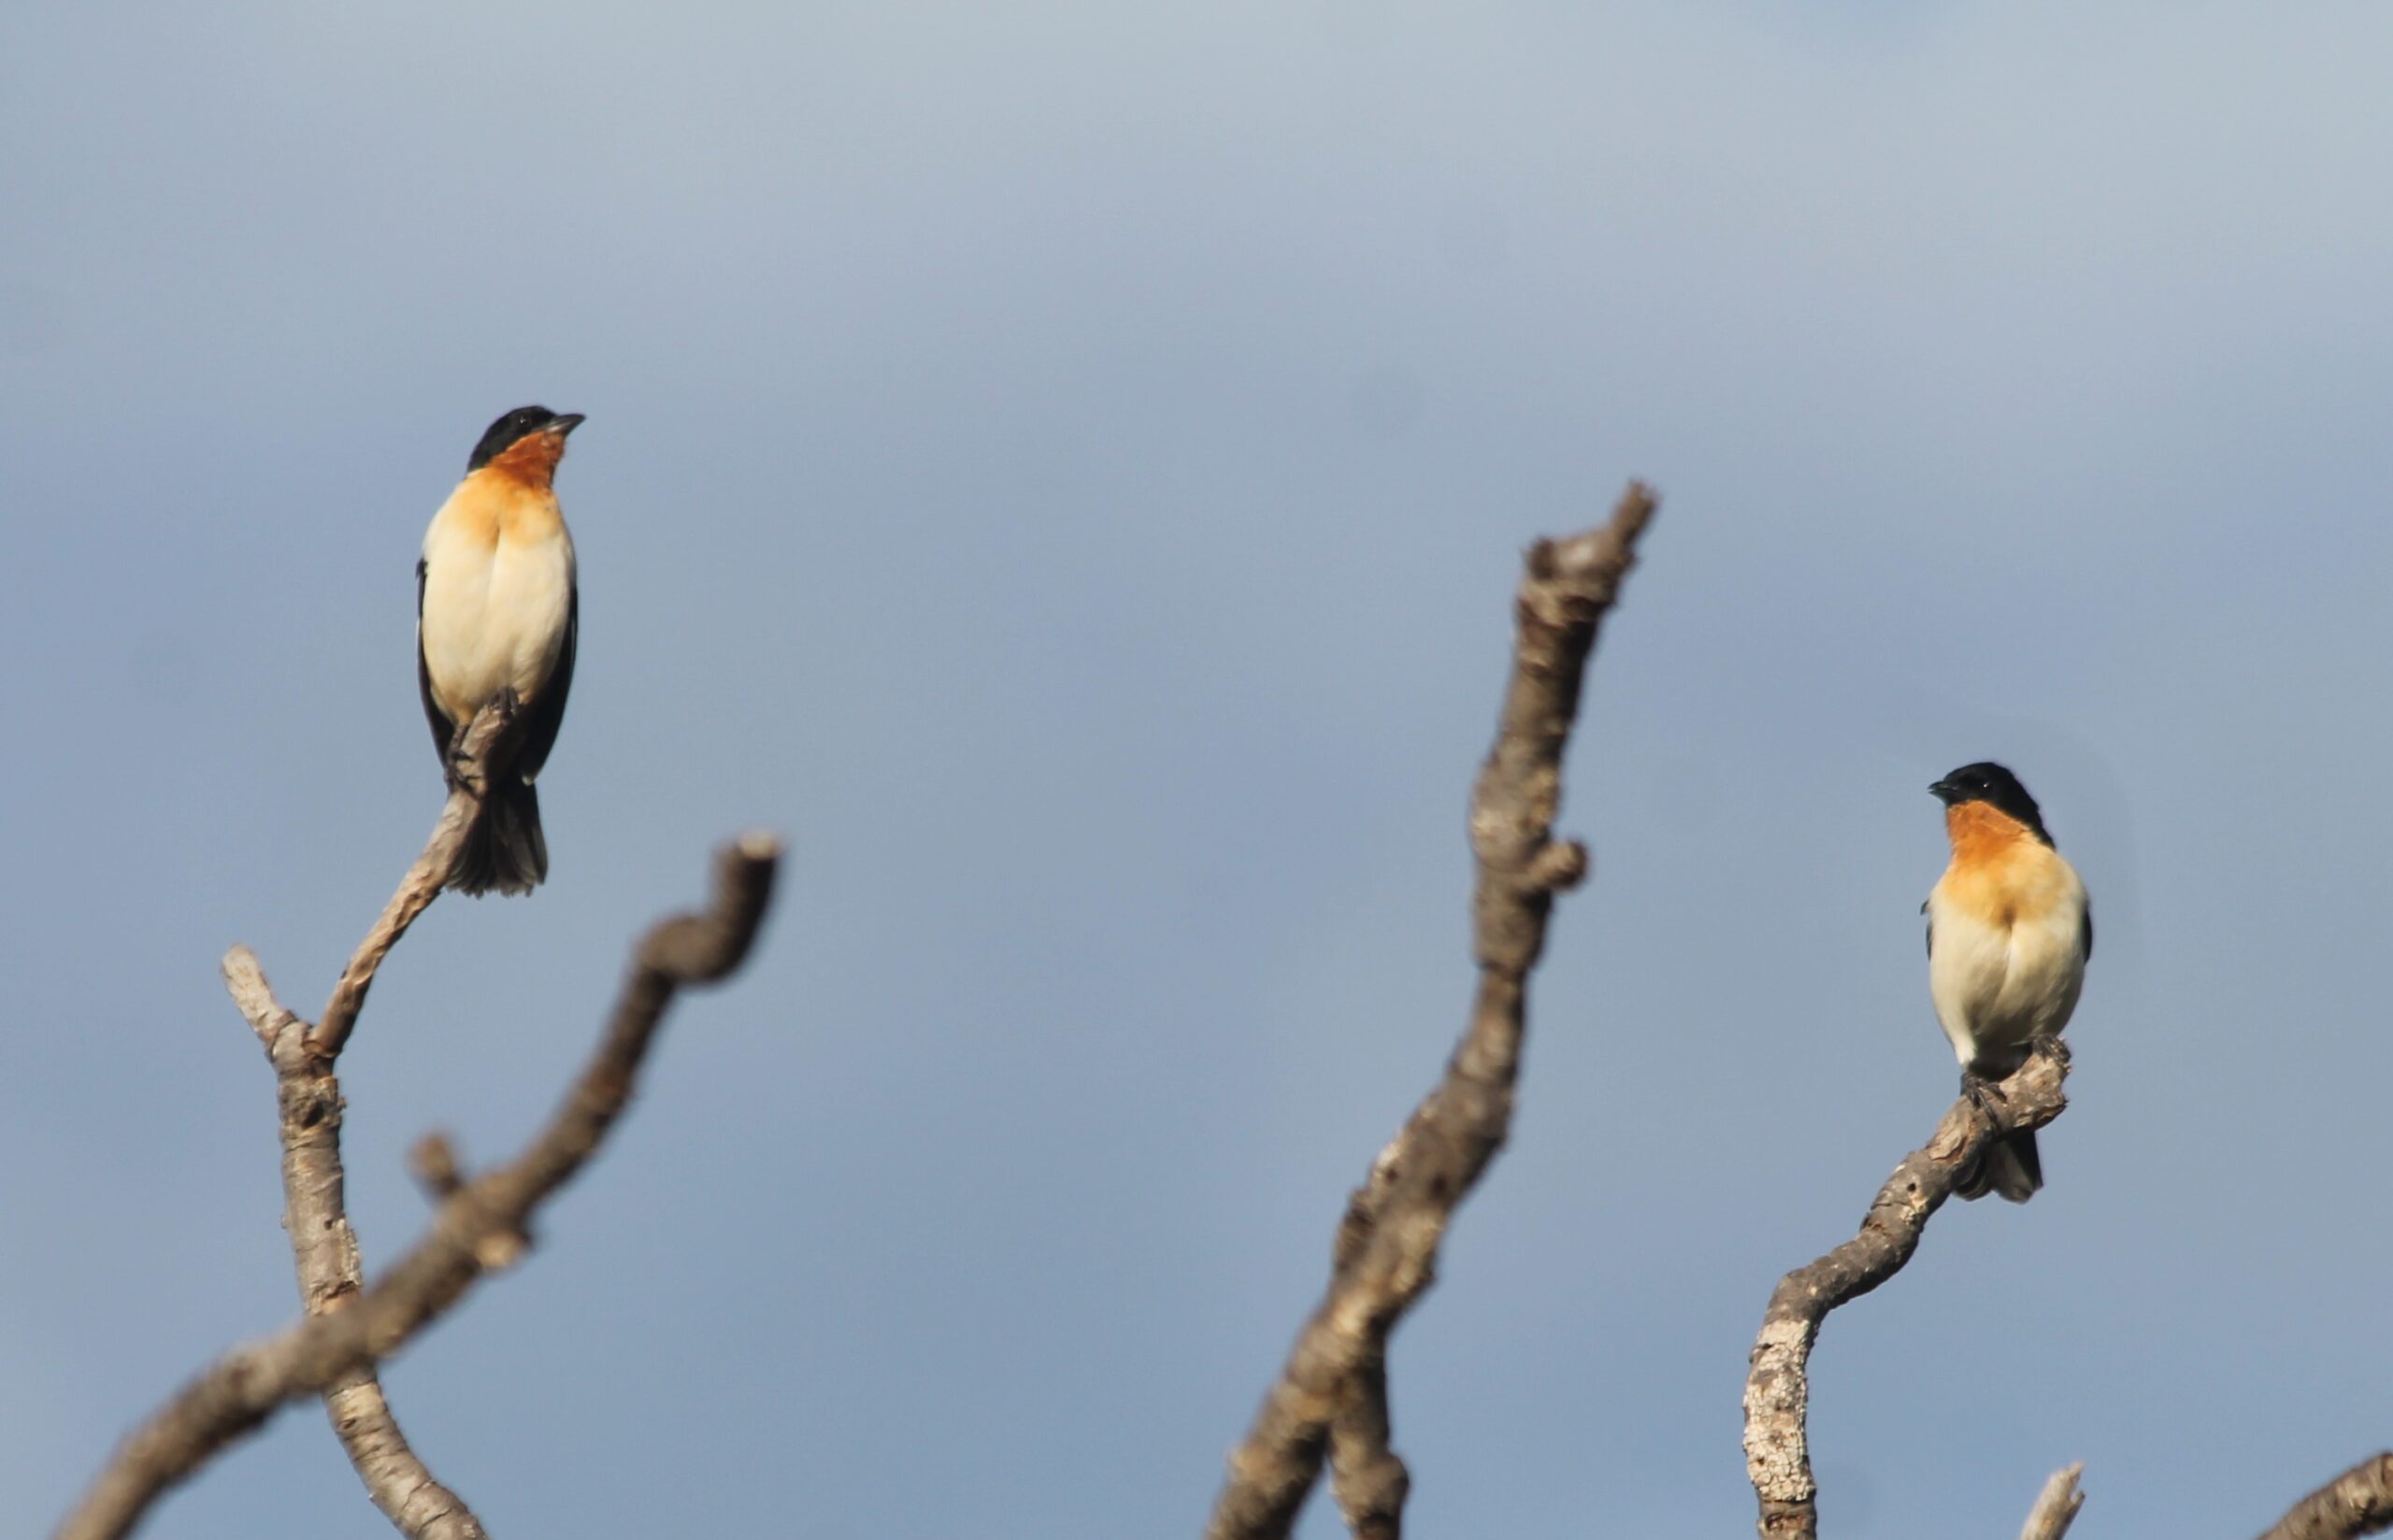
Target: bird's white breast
2004	972
497	591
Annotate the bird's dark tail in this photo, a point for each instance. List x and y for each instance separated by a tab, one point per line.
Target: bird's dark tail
503	849
2008	1166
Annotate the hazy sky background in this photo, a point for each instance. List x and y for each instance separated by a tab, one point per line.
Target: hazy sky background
1067	469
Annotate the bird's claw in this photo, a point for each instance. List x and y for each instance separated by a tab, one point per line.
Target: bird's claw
1984	1094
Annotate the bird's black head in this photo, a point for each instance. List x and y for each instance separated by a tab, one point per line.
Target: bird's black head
1998	788
513	427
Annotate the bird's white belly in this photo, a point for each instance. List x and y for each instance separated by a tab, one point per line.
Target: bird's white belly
1997	988
493	617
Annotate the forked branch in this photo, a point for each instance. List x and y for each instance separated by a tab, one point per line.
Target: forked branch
323	1252
1331	1397
479	1226
315	1214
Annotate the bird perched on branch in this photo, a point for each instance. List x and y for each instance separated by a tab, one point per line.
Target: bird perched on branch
496	610
2009	933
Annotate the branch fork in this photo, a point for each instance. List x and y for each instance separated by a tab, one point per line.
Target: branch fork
479	1224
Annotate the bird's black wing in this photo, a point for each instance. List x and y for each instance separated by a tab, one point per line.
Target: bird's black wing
2085	934
442	730
546	713
1932	929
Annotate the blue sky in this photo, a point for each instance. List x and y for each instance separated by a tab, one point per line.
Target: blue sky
1065	468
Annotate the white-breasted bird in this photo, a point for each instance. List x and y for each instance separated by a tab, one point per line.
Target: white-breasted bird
497	613
2009	935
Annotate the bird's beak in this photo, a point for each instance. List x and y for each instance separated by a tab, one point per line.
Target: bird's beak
563	423
1942	789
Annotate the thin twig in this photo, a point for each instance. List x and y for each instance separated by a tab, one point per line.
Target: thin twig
2358	1501
423	884
1778	1389
246	1385
1386	1250
2056	1506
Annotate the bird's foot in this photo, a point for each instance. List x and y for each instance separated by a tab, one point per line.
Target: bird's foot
1984	1094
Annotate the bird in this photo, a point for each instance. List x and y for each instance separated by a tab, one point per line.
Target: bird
2009	936
497	615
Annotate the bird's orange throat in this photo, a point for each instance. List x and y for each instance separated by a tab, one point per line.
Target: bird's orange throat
531	460
1981	832
496	503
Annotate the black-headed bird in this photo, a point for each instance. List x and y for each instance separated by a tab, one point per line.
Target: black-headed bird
496	612
2009	933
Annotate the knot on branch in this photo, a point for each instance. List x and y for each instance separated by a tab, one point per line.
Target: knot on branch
1559	867
1550	611
432	1163
499	1241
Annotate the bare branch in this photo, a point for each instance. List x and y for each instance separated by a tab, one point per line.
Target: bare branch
1366	1475
2358	1501
323	1247
324	1256
2056	1506
423	883
1386	1250
1778	1389
246	1385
